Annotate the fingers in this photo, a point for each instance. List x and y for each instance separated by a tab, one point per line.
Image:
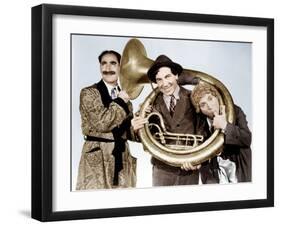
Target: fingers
222	109
188	166
139	120
219	121
138	123
148	109
221	112
123	94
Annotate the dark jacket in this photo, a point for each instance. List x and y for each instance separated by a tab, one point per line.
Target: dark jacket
237	148
237	145
184	120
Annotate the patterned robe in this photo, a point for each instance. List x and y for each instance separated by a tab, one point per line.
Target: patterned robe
100	116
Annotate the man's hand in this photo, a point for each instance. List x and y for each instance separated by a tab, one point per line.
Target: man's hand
138	122
124	96
219	121
148	109
188	166
187	78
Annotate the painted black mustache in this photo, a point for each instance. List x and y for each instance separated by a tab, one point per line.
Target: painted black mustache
108	72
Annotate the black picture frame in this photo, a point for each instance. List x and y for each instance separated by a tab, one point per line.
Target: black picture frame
42	107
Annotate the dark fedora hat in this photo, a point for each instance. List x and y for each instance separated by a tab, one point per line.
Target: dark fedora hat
163	61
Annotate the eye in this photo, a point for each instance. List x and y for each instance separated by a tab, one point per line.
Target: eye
202	105
210	98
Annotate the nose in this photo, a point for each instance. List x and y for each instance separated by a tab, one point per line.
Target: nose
165	82
208	107
107	67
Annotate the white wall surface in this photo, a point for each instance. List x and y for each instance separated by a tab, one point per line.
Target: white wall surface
15	120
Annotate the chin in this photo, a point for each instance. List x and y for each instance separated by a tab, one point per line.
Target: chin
168	93
111	80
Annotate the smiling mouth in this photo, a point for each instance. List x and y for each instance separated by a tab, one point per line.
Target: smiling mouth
167	88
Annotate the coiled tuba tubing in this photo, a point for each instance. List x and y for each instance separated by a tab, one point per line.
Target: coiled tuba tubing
134	66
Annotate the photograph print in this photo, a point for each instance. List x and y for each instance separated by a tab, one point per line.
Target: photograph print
149	112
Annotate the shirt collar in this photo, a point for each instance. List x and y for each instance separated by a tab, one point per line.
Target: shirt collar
167	98
110	87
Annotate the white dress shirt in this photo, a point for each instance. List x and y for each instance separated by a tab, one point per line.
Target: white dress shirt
110	87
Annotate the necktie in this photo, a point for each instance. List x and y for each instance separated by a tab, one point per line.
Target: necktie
172	105
113	93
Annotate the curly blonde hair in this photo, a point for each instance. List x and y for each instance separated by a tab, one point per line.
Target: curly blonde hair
199	91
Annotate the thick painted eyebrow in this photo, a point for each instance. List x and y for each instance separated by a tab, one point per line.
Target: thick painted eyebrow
111	62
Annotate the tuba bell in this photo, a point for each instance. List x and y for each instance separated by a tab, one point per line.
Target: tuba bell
134	67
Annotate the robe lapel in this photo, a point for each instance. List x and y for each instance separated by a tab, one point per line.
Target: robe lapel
105	97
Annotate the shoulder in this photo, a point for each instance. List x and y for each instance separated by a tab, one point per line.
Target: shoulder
239	114
93	86
184	91
185	94
89	90
238	110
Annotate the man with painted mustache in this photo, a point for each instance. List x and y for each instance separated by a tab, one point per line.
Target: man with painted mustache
106	114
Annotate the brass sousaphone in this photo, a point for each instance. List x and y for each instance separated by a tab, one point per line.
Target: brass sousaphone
134	67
